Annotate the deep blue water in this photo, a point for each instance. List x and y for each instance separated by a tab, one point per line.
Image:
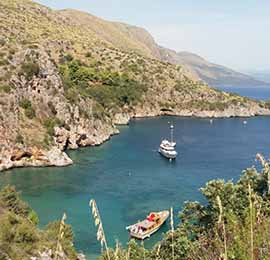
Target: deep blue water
258	92
128	178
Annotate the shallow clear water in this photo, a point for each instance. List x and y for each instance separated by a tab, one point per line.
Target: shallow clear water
128	178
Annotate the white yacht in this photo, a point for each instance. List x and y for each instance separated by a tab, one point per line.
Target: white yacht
167	148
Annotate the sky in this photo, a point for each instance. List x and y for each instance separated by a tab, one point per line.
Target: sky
234	33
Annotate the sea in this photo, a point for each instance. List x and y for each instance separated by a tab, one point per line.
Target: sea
128	178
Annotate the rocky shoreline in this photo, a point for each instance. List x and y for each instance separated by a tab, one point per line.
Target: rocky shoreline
56	156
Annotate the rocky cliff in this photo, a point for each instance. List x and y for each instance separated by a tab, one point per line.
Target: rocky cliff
63	86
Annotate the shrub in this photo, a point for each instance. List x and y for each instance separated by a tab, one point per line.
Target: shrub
33	217
30	69
25	234
65	58
10	200
72	95
52	107
20	238
3	62
98	111
5	88
109	88
2	41
28	109
47	140
88	55
267	104
52	234
19	139
50	123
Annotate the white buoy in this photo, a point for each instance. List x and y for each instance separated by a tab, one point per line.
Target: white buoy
245	122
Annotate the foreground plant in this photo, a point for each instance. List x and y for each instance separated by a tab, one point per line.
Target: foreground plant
20	238
59	249
221	221
233	223
100	231
172	231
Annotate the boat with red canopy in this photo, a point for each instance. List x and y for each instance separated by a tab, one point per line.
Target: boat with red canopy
149	226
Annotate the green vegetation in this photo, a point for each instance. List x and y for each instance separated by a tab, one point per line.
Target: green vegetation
20	237
108	88
186	85
30	69
3	62
5	88
208	106
266	104
234	223
19	139
98	111
50	123
28	108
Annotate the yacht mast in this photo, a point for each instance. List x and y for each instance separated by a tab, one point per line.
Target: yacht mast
171	133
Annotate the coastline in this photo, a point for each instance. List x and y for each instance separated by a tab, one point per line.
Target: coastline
57	157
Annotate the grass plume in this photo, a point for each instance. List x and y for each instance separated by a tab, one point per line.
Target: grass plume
98	223
59	253
221	221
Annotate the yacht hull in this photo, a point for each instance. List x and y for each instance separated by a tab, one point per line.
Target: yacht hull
166	154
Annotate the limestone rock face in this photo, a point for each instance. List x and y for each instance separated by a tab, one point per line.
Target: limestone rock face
48	255
121	119
58	158
33	157
23	139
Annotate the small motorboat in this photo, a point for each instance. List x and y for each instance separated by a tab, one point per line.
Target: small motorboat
144	229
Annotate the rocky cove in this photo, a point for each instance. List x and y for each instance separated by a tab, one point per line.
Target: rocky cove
64	139
73	125
63	90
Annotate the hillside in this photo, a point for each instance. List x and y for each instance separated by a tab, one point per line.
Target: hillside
119	35
213	74
132	38
64	86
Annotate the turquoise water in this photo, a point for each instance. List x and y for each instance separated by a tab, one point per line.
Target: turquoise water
128	178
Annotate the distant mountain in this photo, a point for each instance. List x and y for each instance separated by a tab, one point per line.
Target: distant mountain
133	38
213	74
263	75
